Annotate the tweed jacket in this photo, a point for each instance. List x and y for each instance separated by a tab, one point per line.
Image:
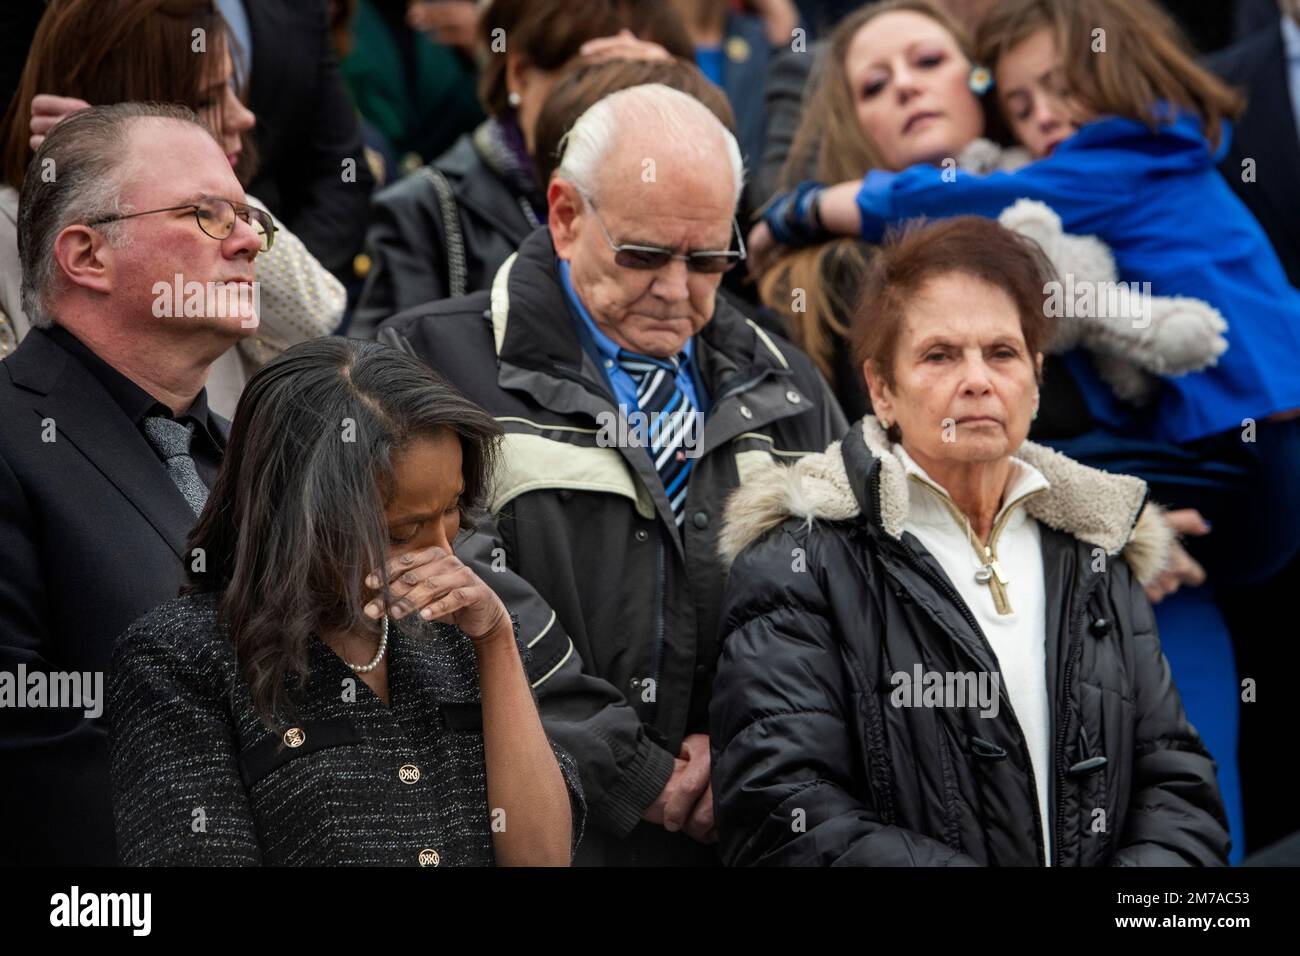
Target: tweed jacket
198	779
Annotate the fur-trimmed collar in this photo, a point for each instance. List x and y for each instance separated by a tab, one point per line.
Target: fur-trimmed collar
1100	508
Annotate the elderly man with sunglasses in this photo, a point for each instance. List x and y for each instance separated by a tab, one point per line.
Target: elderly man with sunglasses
634	401
107	444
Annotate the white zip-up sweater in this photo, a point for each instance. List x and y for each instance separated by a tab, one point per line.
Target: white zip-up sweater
1018	639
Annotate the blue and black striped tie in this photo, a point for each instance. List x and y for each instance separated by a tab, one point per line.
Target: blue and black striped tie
672	420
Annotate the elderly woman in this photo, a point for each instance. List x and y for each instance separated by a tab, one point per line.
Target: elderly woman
900	90
274	714
938	648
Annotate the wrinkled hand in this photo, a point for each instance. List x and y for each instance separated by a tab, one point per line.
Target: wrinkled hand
48	111
699	825
452	23
1181	568
686	802
438	586
624	45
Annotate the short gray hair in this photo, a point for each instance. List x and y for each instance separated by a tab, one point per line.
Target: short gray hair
77	176
679	116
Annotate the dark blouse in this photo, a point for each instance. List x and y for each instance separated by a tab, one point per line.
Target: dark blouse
198	779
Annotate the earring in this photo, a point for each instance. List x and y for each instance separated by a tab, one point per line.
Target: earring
514	99
980	80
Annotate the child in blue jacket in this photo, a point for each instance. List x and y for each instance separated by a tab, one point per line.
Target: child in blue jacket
1127	139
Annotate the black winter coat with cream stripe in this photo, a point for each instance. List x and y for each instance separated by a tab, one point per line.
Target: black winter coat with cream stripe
813	764
581	543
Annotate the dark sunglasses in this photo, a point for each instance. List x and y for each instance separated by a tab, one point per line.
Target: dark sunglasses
216	217
631	256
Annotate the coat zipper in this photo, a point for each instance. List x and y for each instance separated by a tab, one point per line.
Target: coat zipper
918	565
657	659
990	571
1075	648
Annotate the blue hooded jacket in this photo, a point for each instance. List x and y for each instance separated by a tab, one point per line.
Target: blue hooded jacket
1170	219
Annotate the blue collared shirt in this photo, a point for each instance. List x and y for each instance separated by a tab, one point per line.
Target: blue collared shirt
604	351
1291	44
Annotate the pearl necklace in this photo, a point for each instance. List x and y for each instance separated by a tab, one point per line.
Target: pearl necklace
379	656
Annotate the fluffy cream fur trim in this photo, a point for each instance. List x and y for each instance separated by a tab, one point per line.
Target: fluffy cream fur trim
1097	507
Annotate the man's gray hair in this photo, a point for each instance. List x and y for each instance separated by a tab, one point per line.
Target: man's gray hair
682	124
77	176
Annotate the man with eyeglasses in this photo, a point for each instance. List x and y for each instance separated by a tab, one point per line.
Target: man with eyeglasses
107	445
634	400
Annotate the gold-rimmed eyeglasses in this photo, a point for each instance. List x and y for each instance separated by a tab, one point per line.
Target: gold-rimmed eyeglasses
215	216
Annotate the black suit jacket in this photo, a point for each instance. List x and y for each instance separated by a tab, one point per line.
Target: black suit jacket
306	126
93	534
1267	134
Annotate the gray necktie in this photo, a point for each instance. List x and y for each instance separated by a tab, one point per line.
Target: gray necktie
172	440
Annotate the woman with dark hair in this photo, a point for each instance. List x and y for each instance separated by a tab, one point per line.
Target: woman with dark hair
95	52
444	230
938	651
272	714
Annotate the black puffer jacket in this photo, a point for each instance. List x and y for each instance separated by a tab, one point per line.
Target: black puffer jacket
812	764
